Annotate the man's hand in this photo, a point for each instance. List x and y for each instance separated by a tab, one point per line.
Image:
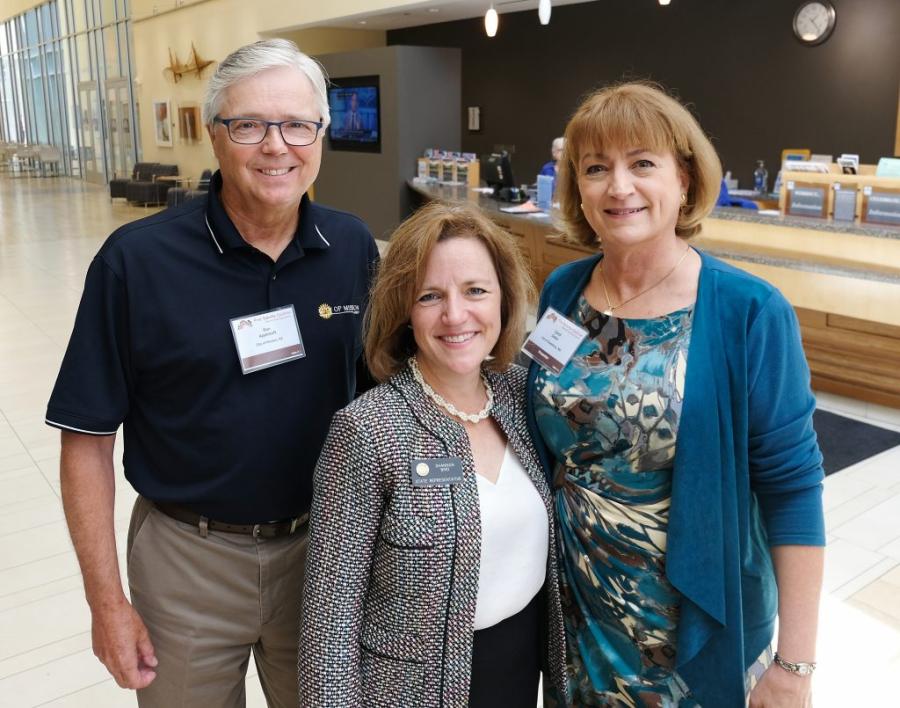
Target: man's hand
780	689
122	643
118	633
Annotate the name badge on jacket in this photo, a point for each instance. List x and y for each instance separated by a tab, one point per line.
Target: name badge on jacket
435	471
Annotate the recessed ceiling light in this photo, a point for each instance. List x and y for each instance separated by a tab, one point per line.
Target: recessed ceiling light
434	9
362	22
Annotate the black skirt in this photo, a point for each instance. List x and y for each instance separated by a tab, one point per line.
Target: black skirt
506	661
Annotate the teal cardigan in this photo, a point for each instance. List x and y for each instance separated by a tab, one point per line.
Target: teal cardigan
748	471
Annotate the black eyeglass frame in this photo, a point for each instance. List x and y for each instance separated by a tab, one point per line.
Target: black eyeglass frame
269	123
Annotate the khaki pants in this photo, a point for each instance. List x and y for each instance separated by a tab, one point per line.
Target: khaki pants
207	602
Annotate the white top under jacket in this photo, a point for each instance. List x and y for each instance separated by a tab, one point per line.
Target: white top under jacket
514	541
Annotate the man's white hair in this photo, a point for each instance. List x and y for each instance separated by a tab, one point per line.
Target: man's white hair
250	60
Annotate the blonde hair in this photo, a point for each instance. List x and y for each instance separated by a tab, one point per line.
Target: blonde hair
388	339
638	114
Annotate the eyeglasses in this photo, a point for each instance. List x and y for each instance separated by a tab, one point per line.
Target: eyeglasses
251	131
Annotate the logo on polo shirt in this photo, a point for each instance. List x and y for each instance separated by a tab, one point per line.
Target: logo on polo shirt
326	311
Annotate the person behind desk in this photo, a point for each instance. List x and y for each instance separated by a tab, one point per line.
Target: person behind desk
725	199
556	149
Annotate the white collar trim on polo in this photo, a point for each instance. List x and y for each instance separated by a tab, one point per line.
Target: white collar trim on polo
212	234
219	248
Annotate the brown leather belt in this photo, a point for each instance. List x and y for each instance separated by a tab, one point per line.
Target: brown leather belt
272	529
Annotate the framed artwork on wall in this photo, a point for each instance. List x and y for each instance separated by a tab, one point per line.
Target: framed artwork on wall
189	122
162	111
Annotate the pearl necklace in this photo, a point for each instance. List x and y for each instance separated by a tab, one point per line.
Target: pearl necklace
445	404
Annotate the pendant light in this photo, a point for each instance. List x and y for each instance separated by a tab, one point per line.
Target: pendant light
491	21
544	9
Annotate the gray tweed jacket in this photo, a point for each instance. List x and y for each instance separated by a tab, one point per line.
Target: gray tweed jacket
392	572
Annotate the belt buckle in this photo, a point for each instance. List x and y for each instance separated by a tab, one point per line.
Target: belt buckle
255	531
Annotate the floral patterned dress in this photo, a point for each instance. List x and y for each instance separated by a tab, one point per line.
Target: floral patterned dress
610	419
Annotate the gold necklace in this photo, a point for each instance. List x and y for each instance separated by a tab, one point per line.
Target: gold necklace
610	307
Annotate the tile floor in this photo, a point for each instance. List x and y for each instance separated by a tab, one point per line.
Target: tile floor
49	231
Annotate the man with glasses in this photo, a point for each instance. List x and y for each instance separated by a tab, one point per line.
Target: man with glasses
222	335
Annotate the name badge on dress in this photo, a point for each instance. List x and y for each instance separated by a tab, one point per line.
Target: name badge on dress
435	471
267	339
553	341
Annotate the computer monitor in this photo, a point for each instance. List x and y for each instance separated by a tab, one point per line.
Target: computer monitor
496	171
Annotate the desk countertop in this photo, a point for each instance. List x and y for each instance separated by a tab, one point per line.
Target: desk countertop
751	216
746	216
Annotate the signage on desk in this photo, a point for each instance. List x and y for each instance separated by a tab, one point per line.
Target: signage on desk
881	205
806	199
434	168
448	170
844	203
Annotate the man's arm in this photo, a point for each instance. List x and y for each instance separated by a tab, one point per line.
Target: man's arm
119	637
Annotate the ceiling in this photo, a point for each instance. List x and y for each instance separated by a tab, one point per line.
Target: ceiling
434	11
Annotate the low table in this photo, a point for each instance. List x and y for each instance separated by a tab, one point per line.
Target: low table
176	180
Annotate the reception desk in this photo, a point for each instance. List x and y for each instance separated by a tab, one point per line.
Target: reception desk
842	279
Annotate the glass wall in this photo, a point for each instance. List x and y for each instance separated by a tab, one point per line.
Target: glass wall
66	81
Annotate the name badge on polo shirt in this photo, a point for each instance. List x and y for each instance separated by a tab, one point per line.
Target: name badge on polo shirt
553	341
267	339
436	471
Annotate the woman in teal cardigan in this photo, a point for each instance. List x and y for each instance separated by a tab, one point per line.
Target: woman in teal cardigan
678	436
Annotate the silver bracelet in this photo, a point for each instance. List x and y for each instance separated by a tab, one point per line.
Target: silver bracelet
801	668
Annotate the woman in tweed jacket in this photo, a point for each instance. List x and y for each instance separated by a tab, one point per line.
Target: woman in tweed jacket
421	589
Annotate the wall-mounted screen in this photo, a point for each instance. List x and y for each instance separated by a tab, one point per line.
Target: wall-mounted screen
355	114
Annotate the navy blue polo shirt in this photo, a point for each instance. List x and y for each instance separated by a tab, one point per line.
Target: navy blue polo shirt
152	349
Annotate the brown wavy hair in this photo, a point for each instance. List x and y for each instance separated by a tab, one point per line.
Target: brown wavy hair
388	339
637	114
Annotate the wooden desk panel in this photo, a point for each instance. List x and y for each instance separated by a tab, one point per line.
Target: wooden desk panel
851	357
527	238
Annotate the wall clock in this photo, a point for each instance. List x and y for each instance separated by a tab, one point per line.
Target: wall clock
814	21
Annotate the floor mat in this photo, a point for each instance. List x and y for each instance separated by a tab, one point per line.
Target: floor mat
845	441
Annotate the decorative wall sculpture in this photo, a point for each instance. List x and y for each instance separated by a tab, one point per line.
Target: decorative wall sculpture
195	64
